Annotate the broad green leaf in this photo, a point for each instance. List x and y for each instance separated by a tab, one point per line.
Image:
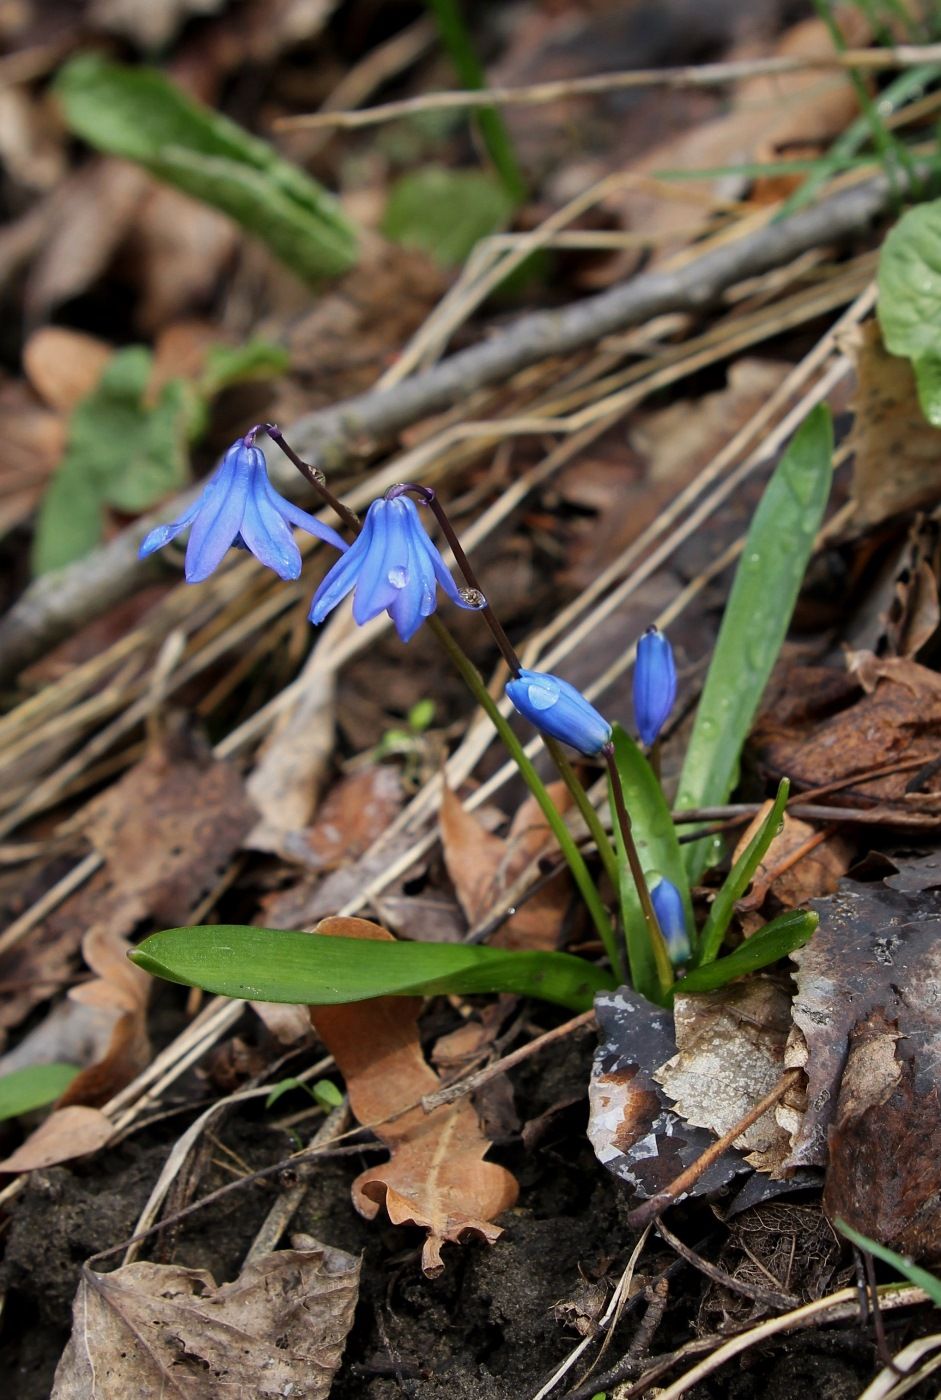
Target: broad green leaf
921	1278
774	941
310	969
139	114
756	619
659	851
909	306
234	364
445	212
928	380
739	878
121	450
25	1089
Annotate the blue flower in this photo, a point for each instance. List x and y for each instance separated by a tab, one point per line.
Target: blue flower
394	567
671	916
654	684
239	506
558	709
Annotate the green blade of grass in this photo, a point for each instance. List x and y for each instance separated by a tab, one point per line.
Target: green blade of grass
310	969
919	1277
738	880
767	581
774	941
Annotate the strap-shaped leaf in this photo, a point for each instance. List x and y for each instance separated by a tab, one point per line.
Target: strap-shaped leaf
310	969
756	619
739	878
774	941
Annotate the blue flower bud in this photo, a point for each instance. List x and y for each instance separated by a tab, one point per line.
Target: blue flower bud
559	710
654	684
671	916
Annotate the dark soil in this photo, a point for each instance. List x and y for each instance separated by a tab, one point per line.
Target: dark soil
493	1327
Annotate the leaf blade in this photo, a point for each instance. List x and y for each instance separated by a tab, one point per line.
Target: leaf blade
316	970
739	878
761	601
774	941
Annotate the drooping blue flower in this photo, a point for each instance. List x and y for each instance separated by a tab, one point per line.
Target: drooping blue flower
239	506
394	567
671	916
654	684
558	709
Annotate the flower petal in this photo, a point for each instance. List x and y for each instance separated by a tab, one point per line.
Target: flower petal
441	571
419	599
384	571
220	514
295	516
267	534
163	534
339	580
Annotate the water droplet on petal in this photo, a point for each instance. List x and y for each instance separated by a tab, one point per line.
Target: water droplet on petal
398	576
543	696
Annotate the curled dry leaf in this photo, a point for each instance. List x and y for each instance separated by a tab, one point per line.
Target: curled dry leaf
730	1046
485	868
868	1037
149	1330
634	1129
66	1134
118	999
436	1176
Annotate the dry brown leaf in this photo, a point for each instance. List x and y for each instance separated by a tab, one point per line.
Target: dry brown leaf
730	1053
150	26
120	993
889	427
354	815
484	867
867	1036
632	1126
898	720
166	831
66	1134
181	247
436	1176
64	366
159	1330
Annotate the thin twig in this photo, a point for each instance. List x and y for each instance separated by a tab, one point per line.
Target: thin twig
596	84
451	1092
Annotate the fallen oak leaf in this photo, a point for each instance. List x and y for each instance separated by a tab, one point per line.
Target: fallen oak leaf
484	867
436	1177
153	1330
67	1133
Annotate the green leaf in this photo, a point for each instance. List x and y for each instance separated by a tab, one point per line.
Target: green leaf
327	1094
444	211
139	114
919	1277
909	307
659	851
739	878
928	380
770	943
121	451
234	364
756	619
25	1089
310	969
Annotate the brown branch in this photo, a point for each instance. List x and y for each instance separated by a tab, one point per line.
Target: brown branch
57	604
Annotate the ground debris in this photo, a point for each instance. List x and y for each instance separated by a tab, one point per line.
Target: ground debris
153	1330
